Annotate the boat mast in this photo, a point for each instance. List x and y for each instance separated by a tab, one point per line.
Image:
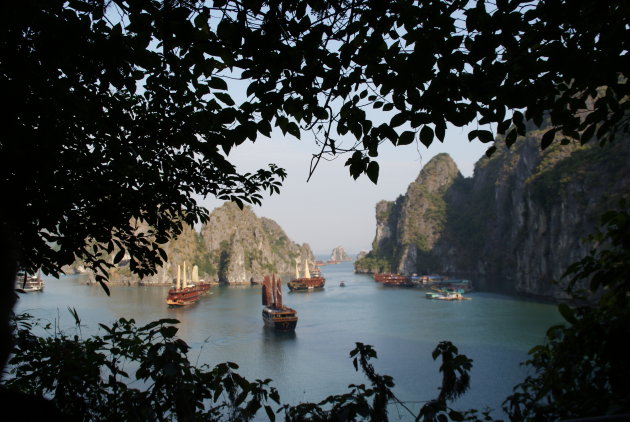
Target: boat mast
177	283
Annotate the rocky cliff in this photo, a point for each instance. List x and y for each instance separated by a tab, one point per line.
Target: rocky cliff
234	247
339	254
514	226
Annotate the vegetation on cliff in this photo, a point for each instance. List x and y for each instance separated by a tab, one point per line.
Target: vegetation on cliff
408	228
339	254
233	246
370	264
248	247
502	227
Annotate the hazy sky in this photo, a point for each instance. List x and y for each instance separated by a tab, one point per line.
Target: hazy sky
333	209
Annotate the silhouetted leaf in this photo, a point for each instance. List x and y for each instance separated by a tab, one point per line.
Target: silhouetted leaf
217	83
485	136
225	98
119	256
426	135
104	286
372	171
547	138
406	138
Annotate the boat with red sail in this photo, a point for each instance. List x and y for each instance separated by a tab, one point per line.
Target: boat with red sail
309	281
184	294
275	314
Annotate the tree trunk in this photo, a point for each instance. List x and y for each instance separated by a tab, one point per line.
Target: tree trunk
8	297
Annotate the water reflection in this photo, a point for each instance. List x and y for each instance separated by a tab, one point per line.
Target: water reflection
273	336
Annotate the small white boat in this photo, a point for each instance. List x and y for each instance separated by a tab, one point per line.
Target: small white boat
446	294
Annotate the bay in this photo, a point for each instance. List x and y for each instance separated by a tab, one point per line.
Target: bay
496	331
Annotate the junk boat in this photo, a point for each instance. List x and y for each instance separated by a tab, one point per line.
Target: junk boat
184	294
25	283
400	281
307	282
383	277
275	314
395	280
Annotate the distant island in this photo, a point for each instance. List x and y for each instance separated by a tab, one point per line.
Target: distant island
233	247
338	255
514	226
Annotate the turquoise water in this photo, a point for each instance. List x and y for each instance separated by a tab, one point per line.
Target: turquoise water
496	331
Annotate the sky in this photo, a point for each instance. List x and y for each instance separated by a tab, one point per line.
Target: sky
333	209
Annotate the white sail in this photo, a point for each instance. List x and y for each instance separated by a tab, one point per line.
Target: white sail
307	273
195	274
177	282
297	270
184	281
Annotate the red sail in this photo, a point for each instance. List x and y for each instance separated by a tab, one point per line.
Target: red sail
266	291
271	297
278	283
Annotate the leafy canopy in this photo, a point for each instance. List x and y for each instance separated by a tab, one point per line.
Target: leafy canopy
120	112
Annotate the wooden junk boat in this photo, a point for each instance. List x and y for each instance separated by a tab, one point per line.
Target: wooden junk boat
184	294
25	283
396	280
308	282
382	277
401	281
275	314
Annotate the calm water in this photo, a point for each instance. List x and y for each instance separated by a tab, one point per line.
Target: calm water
495	331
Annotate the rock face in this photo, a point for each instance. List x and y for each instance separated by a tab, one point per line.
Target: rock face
339	254
514	226
234	247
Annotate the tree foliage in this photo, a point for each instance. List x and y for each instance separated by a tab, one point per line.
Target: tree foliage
373	264
131	373
121	112
105	139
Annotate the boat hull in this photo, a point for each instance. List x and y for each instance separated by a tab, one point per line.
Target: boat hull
29	289
187	296
280	319
305	284
181	302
